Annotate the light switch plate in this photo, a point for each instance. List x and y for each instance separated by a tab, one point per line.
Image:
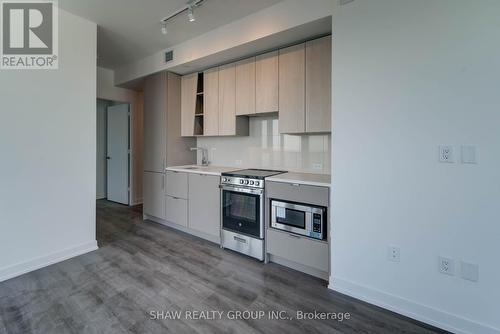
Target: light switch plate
469	271
468	154
446	154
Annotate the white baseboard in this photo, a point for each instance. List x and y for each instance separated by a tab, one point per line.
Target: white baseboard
411	309
137	201
184	229
46	260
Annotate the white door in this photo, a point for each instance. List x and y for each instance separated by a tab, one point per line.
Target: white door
117	156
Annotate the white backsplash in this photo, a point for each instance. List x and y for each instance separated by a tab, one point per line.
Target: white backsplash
266	148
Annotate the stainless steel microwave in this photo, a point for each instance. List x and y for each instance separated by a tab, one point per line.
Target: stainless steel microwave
302	219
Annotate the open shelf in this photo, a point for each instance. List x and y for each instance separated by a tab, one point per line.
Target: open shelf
198	125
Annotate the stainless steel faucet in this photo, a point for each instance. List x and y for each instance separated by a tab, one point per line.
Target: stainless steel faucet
204	155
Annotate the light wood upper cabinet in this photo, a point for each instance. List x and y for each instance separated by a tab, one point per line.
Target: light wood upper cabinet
292	87
227	100
266	83
245	87
211	102
188	103
319	85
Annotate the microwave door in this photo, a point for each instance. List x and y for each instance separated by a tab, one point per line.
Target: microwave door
287	217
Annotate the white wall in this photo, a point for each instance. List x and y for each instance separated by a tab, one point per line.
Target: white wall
107	90
47	145
266	148
408	76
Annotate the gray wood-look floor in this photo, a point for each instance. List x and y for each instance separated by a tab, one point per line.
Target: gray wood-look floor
143	267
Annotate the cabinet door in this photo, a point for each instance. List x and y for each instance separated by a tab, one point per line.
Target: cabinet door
266	82
154	198
227	103
176	184
245	87
292	88
319	85
188	103
204	204
176	210
211	102
155	109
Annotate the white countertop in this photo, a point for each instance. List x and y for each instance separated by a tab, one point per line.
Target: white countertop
209	170
320	180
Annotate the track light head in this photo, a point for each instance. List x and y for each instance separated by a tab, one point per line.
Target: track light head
164	28
191	17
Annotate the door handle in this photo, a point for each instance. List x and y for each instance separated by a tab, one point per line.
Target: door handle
108	158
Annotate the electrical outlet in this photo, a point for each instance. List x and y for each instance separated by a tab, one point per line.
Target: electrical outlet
318	166
446	154
446	266
239	162
393	253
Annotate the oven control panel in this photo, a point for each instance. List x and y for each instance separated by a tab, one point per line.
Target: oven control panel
242	181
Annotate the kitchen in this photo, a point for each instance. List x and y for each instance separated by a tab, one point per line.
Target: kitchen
244	161
264	166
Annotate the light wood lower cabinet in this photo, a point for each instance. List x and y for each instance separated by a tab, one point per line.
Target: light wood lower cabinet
301	250
204	204
176	210
153	194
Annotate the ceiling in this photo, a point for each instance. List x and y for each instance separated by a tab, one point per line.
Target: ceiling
129	30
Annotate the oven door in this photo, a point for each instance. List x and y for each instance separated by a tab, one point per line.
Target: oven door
241	210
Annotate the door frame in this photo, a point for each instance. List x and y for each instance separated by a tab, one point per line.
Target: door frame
132	112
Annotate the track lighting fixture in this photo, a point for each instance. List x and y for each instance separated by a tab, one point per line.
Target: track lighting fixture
191	17
189	7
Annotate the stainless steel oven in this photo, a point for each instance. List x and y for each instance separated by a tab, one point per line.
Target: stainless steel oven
242	211
297	218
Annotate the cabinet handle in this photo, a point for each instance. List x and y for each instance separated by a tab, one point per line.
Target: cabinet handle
294	236
163	182
295	185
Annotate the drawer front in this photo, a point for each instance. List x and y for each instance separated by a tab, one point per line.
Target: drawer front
176	184
298	193
176	210
298	249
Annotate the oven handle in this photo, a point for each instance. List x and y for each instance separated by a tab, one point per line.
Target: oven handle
242	190
240	239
